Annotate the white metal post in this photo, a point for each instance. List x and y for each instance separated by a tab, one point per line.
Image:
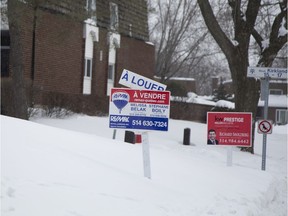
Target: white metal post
229	156
266	98
146	155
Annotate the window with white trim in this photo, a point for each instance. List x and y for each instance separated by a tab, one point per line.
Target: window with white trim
88	67
281	116
111	72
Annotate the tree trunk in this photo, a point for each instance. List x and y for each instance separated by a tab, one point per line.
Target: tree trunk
247	93
19	100
246	89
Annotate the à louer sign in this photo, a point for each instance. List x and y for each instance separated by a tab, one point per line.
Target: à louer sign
139	109
136	81
229	128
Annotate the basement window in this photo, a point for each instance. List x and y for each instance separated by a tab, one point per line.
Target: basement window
111	72
88	67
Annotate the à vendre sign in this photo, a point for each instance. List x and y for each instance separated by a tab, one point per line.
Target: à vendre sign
139	109
230	128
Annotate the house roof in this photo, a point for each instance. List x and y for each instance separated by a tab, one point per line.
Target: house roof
275	101
280	101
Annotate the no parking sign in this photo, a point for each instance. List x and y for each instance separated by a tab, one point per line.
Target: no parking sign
265	127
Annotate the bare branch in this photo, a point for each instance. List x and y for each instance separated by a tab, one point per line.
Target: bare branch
220	37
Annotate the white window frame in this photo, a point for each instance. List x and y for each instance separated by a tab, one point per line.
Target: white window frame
90	68
114	42
279	119
91	35
111	73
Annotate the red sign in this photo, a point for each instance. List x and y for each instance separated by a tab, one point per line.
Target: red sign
145	96
229	128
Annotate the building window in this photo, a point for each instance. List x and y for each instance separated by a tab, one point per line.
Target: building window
281	116
88	67
5	51
111	72
276	92
5	61
113	16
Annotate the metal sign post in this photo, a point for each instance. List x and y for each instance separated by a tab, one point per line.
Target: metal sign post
265	73
146	155
266	98
229	156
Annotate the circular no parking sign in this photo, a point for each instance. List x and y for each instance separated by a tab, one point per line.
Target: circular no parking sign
265	126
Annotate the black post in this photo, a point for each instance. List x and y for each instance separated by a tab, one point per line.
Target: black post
186	139
129	137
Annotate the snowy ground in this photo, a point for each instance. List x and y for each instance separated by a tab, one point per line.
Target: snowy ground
73	167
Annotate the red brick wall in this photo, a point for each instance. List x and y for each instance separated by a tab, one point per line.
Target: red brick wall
59	61
59	54
136	56
100	66
26	37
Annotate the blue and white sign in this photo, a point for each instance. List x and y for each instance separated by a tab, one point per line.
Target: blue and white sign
261	72
120	99
139	109
136	81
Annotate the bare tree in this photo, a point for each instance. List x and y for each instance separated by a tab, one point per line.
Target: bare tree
236	50
177	34
19	105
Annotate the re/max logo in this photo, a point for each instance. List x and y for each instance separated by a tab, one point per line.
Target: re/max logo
119	119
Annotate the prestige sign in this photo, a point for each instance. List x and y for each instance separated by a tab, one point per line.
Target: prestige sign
229	128
139	109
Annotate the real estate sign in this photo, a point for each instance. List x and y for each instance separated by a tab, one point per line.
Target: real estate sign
139	109
229	128
136	81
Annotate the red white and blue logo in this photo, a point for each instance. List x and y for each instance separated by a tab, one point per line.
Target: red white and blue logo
120	99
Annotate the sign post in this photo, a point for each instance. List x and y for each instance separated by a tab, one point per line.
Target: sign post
146	155
229	156
140	110
265	73
266	98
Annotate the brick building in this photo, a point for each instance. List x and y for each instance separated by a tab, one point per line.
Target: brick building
78	51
